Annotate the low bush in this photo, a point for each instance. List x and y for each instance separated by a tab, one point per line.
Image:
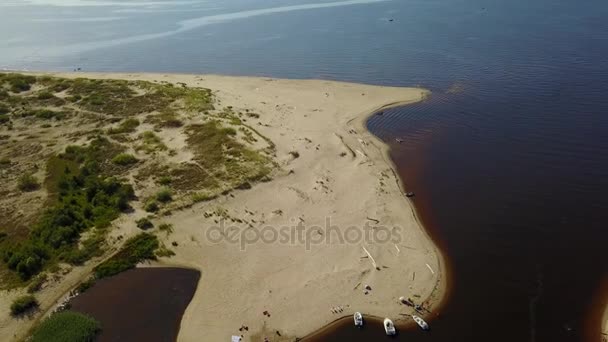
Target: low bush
151	207
144	223
164	196
136	249
166	227
45	95
28	182
67	326
85	285
127	126
24	304
124	159
37	283
4	109
81	198
164	180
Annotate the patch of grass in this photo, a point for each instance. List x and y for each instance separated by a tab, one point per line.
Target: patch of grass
166	119
45	95
150	207
27	182
144	223
23	305
136	249
5	162
91	247
164	252
4	119
44	114
37	283
67	326
124	159
202	197
127	126
4	109
164	196
84	198
151	143
163	180
19	83
166	227
223	157
85	285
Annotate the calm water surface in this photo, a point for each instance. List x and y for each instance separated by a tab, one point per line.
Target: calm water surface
144	304
508	157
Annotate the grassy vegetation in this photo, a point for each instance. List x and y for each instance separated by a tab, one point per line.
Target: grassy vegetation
224	158
85	191
67	326
150	143
164	196
28	182
81	198
124	159
23	305
139	248
127	126
144	223
37	283
151	207
166	227
18	83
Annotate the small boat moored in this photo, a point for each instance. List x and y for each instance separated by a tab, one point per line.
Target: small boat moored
358	319
421	323
389	327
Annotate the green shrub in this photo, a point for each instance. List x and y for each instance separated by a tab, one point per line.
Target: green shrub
67	326
28	182
80	198
45	95
164	196
37	283
144	223
4	109
164	180
127	126
85	285
136	249
45	114
4	118
23	305
166	227
151	207
19	83
124	159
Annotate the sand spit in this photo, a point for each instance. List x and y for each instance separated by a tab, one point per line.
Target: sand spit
330	234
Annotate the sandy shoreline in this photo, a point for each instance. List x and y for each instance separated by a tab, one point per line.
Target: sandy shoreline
330	168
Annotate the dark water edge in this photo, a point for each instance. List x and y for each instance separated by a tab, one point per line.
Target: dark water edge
527	263
142	304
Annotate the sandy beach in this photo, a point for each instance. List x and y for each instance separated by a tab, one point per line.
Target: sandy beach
332	233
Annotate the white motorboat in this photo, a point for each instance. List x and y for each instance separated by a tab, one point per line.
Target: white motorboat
421	323
358	319
389	327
